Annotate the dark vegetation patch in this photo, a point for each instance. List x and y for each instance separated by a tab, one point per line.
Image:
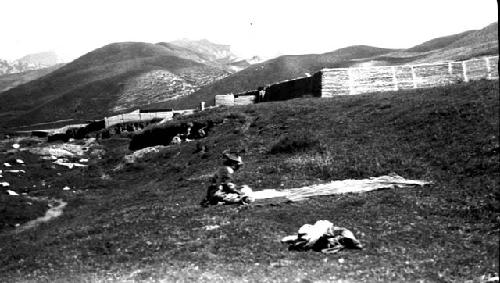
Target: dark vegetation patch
146	218
299	142
163	134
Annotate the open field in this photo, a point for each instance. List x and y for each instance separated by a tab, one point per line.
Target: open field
143	221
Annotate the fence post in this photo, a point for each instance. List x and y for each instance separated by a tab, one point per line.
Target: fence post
488	67
464	70
395	80
413	76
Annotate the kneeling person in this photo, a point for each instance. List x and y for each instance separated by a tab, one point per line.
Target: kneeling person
223	190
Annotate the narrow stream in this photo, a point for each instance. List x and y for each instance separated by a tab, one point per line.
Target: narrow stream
56	207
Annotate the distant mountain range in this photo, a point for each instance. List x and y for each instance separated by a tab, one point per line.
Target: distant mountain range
124	76
206	52
29	62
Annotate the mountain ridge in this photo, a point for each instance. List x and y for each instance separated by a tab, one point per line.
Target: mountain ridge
127	75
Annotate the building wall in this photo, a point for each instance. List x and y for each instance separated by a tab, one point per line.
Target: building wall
301	87
351	81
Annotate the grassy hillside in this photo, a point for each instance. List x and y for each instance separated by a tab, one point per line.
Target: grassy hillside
88	87
487	34
477	43
439	42
143	222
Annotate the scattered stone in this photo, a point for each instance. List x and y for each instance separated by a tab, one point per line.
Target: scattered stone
322	236
6	164
15	171
16	146
51	157
281	263
70	165
4	184
19	161
12	193
66	188
142	153
211	227
341	260
83	160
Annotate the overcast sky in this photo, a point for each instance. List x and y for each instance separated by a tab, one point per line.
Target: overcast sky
267	28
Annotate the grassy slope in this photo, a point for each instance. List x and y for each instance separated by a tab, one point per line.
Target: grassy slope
145	222
439	42
467	45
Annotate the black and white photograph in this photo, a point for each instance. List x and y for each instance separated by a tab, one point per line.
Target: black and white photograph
249	141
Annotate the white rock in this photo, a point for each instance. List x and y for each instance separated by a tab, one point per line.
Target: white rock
4	184
341	260
211	227
66	188
6	164
16	146
19	161
83	160
15	171
12	193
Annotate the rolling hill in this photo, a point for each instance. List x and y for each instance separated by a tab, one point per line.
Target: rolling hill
105	81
